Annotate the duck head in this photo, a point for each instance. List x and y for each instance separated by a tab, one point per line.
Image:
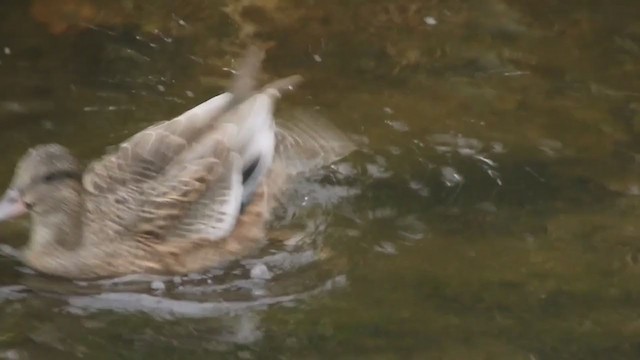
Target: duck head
40	178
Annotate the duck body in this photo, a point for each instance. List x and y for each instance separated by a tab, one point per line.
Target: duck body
110	251
139	210
178	197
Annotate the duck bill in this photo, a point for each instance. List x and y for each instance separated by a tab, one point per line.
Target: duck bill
11	206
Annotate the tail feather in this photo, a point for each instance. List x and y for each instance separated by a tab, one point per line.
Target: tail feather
246	77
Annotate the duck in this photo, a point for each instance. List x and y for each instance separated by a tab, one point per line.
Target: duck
181	196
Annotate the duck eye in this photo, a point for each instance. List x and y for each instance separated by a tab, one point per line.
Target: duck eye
53	176
59	175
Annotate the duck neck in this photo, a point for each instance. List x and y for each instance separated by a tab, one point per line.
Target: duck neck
56	233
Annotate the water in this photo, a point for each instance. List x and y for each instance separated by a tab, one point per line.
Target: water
490	211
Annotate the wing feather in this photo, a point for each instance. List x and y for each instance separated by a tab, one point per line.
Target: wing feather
306	141
185	180
213	216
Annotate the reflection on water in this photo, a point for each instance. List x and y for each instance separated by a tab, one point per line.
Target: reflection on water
489	212
164	307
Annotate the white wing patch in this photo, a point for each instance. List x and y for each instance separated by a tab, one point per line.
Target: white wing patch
215	214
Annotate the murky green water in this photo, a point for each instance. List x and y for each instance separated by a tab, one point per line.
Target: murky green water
490	212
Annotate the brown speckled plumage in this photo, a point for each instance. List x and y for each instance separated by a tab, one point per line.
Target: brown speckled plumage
168	200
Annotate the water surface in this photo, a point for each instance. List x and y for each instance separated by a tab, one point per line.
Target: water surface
489	213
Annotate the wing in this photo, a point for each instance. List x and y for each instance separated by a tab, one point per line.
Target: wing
213	216
197	195
306	142
116	185
145	156
123	182
186	180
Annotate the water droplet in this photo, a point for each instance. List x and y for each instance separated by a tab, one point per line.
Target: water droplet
430	20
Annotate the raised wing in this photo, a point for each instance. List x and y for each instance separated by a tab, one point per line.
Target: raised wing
186	179
306	141
166	185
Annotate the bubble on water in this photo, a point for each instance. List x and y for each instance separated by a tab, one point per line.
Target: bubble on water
419	187
633	189
411	228
550	146
377	171
382	213
443	149
260	271
179	20
353	232
386	247
344	168
47	124
469	145
466	151
497	147
395	150
530	240
398	125
11	355
495	176
486	161
295	239
195	276
450	176
12	292
487	207
283	261
158	285
446	143
430	20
